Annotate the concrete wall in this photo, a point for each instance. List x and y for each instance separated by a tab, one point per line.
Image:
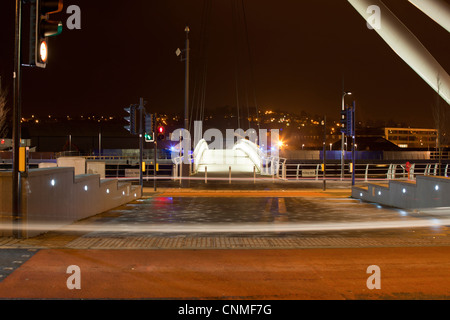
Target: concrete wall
425	192
56	197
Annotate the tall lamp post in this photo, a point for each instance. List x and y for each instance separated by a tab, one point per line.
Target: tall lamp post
185	166
343	136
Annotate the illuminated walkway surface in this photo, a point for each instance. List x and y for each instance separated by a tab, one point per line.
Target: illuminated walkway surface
222	160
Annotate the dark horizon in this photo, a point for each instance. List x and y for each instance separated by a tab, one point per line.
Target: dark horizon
300	57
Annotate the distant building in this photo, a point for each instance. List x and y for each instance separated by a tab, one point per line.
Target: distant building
411	137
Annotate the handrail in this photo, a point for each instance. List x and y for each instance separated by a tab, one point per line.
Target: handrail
197	156
251	150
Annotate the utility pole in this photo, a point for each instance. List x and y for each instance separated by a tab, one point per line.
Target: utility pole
17	75
186	90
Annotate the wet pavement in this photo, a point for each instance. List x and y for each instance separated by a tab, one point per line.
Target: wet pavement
236	243
245	218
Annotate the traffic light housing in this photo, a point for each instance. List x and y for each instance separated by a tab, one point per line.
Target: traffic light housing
347	121
161	133
41	28
131	118
148	129
344	121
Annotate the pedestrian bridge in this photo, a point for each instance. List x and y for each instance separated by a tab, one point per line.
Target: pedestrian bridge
244	157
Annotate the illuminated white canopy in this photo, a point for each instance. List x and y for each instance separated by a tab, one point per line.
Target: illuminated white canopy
406	45
438	10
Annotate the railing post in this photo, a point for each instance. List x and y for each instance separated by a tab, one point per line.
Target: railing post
317	172
254	174
298	169
366	175
229	179
206	174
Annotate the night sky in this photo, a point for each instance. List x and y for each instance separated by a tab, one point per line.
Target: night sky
302	52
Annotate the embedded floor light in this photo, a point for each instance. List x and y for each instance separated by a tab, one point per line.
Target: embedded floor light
53	182
85	188
107	190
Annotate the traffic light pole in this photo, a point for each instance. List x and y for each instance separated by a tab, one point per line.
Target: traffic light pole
324	153
17	75
141	142
353	144
155	147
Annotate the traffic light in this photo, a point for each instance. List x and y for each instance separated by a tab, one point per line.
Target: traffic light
131	119
344	121
148	129
160	133
347	121
41	28
350	123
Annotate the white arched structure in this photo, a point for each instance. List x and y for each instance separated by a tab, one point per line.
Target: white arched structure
245	156
406	45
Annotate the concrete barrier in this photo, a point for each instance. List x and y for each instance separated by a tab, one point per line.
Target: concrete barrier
79	163
96	167
53	197
424	192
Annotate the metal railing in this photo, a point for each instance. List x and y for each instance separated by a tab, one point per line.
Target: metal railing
365	172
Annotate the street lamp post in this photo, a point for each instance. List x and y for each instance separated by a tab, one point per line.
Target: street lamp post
343	136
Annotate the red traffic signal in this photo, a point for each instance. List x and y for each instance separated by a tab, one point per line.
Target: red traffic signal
160	131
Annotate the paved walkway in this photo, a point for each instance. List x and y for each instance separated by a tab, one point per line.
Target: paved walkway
405	273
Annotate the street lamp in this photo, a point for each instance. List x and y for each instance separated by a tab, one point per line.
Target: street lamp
343	137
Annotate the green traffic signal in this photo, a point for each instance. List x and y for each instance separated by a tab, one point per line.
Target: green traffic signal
149	137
